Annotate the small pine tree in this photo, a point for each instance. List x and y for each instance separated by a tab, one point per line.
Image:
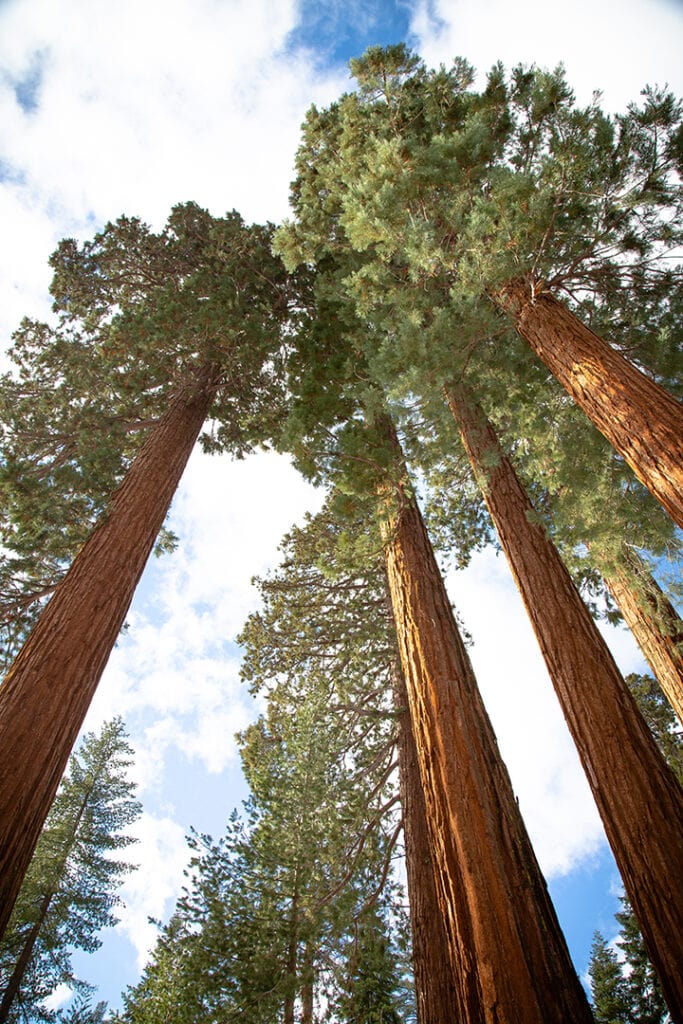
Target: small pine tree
69	892
610	1002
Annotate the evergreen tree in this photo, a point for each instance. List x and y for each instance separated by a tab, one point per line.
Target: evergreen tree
628	981
391	193
653	621
69	893
187	321
639	800
608	987
328	605
371	981
339	430
262	929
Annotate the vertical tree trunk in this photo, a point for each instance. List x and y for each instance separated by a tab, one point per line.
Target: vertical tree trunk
292	961
639	418
654	623
435	993
510	961
307	986
639	800
47	692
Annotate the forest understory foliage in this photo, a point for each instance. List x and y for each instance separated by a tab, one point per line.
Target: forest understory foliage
478	290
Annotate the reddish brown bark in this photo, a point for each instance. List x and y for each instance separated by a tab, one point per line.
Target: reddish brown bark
435	994
47	692
639	800
639	418
654	623
510	961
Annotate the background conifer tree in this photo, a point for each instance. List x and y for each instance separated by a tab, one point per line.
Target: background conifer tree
70	891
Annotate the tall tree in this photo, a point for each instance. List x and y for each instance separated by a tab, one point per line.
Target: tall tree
625	986
327	604
338	429
639	800
69	893
191	351
509	956
264	927
512	197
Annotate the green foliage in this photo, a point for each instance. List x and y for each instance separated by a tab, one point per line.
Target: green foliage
69	893
272	912
141	316
608	986
418	199
372	983
660	718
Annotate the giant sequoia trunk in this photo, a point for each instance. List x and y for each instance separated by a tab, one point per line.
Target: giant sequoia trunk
47	692
510	961
639	800
654	623
639	418
435	994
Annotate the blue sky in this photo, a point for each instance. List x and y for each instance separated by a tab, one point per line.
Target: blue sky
134	106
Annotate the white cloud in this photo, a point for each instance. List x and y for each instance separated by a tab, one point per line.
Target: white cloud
61	995
614	49
174	675
140	106
161	854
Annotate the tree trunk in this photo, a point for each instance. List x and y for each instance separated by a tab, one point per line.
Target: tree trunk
307	986
47	692
639	800
435	994
292	964
510	961
638	417
654	623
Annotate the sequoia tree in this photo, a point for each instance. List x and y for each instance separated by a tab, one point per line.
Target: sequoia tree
327	605
509	957
188	320
640	802
506	200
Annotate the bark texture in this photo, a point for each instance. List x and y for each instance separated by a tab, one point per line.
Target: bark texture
435	994
654	622
47	692
510	961
638	797
638	417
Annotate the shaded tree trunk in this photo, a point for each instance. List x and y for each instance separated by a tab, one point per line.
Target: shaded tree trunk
435	994
292	964
510	961
654	623
639	800
307	986
47	692
638	417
